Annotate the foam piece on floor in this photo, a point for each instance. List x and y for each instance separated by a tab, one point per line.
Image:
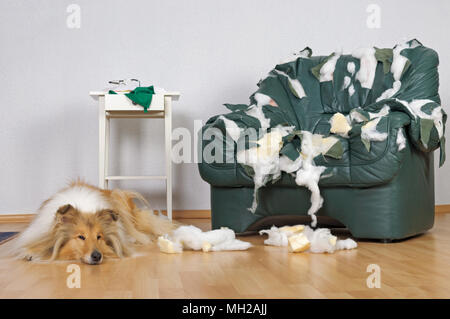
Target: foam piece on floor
191	237
346	244
300	239
298	243
169	247
276	237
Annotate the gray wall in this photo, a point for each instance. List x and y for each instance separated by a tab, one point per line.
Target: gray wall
211	51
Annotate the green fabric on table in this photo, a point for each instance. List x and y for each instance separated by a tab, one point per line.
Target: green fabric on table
140	95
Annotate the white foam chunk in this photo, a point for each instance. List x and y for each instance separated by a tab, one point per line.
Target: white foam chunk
401	140
232	128
309	174
327	70
276	237
191	237
347	82
339	125
351	67
398	61
348	243
369	131
351	90
169	247
367	68
264	158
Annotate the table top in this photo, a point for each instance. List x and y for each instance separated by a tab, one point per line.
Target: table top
174	94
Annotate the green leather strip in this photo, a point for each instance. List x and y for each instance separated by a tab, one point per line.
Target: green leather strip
442	151
335	151
425	130
384	56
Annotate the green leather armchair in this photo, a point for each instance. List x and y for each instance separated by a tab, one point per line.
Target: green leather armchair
379	188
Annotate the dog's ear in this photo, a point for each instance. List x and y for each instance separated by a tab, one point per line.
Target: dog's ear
107	215
66	214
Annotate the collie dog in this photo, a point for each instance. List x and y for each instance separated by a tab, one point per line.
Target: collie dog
83	222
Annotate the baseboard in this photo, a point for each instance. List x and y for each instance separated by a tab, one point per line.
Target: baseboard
176	214
442	209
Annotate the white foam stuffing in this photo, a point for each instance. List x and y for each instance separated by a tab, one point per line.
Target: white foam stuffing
351	90
369	131
367	68
276	237
398	61
401	140
262	99
347	82
193	238
327	70
340	125
289	166
323	144
348	243
264	159
232	128
351	67
309	174
321	240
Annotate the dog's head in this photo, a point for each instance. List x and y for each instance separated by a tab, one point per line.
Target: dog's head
88	237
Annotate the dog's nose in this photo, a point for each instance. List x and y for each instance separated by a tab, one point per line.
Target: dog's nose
96	256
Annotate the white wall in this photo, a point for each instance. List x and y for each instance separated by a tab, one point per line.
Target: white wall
212	51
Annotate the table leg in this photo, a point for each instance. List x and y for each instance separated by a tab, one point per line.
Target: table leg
168	157
101	142
107	134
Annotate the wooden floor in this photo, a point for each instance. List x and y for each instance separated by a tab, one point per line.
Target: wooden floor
416	268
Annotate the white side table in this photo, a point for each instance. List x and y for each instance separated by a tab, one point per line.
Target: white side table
119	106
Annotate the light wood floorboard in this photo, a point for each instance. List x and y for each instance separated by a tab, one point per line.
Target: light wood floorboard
415	268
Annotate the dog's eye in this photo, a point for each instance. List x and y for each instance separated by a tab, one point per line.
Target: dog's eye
82	237
98	237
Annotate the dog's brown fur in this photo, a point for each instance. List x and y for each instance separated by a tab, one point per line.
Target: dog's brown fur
77	235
